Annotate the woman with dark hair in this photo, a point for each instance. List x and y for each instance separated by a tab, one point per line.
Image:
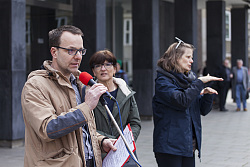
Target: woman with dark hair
180	98
103	65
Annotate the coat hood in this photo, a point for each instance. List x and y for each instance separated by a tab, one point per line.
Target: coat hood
122	85
48	72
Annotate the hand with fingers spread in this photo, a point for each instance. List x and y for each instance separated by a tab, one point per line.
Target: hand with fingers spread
93	94
208	90
208	78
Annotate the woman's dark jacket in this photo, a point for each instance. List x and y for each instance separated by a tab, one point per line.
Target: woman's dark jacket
177	104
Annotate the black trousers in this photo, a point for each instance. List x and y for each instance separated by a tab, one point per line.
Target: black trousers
223	94
169	160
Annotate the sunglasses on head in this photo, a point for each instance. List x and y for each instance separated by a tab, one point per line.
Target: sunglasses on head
179	42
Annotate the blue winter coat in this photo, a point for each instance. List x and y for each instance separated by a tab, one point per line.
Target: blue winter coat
175	108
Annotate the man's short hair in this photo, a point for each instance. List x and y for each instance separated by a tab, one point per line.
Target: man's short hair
55	34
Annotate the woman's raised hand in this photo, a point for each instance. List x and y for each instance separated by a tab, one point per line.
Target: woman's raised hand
209	78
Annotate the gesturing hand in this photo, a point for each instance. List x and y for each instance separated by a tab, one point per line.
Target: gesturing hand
209	78
208	90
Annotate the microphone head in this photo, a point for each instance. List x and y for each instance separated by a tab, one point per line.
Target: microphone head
85	78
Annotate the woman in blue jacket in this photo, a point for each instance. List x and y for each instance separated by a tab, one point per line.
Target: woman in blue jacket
180	98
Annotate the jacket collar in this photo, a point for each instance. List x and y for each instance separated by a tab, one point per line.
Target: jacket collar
122	85
123	94
48	72
183	80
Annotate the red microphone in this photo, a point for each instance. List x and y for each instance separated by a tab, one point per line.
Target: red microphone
87	79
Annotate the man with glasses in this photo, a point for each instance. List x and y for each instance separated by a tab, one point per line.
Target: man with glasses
60	129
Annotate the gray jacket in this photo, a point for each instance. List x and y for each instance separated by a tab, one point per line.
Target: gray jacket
234	80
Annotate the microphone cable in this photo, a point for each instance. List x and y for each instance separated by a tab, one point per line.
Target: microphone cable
138	164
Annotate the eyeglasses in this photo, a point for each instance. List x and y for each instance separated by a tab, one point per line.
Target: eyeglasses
73	52
179	42
106	65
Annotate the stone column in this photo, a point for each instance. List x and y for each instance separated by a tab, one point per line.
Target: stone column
186	24
167	29
216	49
239	43
90	17
12	71
146	52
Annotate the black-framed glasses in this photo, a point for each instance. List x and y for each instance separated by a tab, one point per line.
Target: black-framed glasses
73	51
106	65
179	42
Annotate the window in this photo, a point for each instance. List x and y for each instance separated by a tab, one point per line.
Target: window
228	26
27	32
61	21
127	38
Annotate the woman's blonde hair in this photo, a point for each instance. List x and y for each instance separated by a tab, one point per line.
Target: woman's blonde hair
168	61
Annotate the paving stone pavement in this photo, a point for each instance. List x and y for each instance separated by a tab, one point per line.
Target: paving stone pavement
225	139
225	143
